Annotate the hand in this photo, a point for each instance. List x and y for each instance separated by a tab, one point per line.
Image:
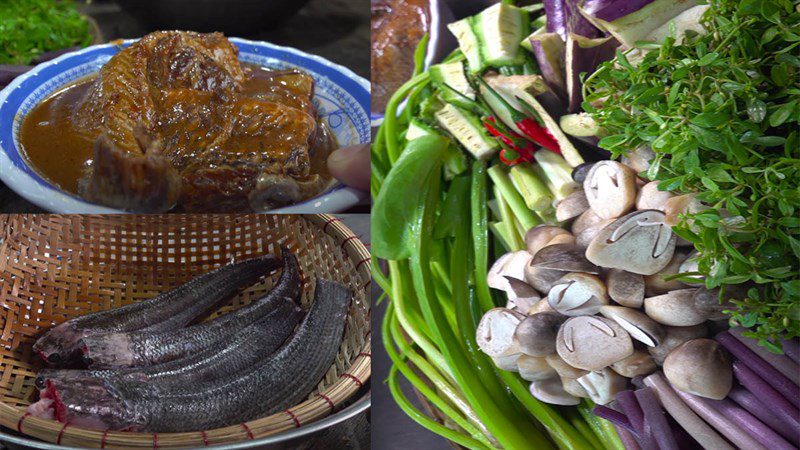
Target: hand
350	165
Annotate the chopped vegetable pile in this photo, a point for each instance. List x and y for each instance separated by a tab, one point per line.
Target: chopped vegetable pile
29	28
720	112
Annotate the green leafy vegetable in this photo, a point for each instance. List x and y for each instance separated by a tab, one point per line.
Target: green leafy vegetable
29	28
721	112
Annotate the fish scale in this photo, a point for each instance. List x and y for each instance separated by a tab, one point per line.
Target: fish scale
167	311
274	384
143	348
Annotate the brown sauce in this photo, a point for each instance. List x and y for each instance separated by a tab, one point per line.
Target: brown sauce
60	153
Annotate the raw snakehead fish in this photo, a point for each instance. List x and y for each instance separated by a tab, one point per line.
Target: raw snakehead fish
144	348
274	384
167	311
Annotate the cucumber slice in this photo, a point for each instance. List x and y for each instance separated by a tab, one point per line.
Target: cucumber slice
526	88
500	29
417	129
468	43
453	84
467	129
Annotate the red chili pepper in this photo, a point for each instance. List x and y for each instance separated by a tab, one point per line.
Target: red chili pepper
539	134
516	149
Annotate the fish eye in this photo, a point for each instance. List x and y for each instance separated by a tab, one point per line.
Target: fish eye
54	358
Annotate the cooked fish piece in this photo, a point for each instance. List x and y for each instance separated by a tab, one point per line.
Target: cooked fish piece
167	311
278	382
144	348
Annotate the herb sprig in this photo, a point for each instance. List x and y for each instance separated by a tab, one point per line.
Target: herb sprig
29	28
721	112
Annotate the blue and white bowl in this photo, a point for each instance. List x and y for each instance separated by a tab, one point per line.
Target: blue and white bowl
342	99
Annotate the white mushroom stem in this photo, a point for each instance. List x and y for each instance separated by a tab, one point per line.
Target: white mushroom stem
686	418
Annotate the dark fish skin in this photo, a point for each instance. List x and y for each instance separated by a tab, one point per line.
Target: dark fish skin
145	348
272	385
167	311
248	347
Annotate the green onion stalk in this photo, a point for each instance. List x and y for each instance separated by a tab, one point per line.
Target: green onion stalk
431	232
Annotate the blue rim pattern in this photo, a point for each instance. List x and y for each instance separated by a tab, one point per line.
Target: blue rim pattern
340	95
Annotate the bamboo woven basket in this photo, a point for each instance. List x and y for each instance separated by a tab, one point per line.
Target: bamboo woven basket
53	267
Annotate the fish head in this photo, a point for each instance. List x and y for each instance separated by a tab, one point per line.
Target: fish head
59	345
87	403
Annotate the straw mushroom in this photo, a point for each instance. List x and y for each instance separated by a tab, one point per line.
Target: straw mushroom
521	296
551	391
602	385
580	172
639	242
638	364
639	158
536	334
707	301
509	265
584	221
563	369
578	294
690	265
636	323
675	308
589	233
700	367
657	283
625	288
572	206
675	336
542	236
610	189
591	343
534	368
508	362
573	387
542	279
495	333
676	207
564	257
649	197
542	306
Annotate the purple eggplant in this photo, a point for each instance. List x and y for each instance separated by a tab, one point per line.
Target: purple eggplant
583	56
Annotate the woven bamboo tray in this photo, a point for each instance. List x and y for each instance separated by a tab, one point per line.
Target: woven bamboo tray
53	267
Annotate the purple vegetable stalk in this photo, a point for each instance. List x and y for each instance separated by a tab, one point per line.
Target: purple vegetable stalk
766	393
781	363
771	375
611	10
656	420
631	410
791	348
556	11
613	416
754	406
752	425
627	438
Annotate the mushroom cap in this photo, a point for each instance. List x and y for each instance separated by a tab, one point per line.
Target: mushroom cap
591	343
572	206
508	362
512	265
639	242
542	279
534	368
700	367
625	288
578	294
580	172
657	283
551	391
564	257
639	158
495	332
536	334
541	236
649	197
677	206
603	385
563	369
584	221
636	323
521	296
637	365
690	265
610	189
707	301
586	236
541	306
675	308
572	387
675	336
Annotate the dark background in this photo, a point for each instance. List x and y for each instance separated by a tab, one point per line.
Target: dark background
337	30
